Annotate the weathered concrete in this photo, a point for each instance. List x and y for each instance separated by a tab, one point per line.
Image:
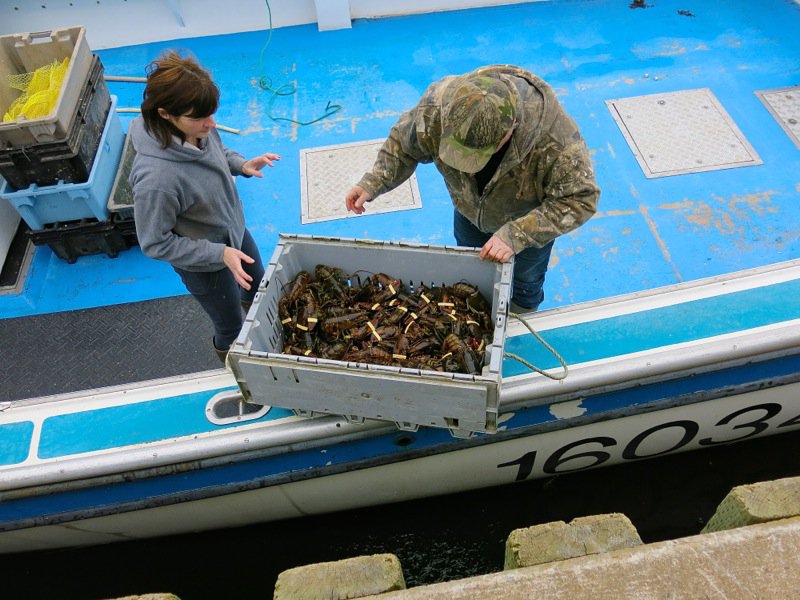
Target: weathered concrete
758	561
349	578
750	548
150	597
757	503
558	540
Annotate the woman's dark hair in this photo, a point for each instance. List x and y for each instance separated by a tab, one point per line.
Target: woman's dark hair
181	87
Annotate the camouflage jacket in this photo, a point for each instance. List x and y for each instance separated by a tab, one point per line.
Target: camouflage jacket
544	186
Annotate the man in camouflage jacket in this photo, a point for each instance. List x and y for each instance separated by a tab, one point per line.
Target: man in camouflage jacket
514	162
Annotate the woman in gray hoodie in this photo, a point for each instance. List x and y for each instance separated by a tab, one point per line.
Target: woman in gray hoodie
186	206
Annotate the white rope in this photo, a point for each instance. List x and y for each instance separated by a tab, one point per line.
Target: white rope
546	345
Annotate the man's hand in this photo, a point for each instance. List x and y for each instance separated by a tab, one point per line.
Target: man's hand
496	250
233	260
253	166
356	198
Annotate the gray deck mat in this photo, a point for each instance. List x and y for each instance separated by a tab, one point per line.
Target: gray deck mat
77	350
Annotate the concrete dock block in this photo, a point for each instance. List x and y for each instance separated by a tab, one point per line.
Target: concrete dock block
349	578
159	596
757	562
558	540
757	503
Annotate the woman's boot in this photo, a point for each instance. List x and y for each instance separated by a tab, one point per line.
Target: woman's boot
221	354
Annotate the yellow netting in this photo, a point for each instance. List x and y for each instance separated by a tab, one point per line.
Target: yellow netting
39	89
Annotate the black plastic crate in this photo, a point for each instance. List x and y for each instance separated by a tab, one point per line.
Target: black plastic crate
69	160
124	223
73	239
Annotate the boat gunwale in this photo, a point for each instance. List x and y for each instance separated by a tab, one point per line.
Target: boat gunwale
300	433
658	365
277	479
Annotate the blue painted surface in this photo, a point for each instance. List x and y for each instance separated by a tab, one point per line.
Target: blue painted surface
633	399
171	417
656	328
129	424
15	442
40	206
648	233
376	449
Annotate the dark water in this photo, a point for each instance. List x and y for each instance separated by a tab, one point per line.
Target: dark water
439	539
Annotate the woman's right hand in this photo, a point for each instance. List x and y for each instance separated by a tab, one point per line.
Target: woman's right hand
233	260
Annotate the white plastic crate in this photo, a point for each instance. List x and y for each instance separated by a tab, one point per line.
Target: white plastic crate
120	200
40	206
9	221
24	53
462	403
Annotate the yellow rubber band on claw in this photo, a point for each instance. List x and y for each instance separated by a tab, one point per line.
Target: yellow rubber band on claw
375	333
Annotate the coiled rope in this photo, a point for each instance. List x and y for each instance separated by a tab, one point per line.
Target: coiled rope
287	89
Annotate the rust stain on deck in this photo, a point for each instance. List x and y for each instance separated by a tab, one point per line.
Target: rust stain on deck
616	213
726	215
660	241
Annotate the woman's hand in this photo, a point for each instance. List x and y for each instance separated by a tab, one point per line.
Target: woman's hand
356	198
233	260
253	166
496	250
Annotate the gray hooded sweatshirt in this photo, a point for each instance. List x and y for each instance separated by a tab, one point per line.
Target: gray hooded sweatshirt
186	206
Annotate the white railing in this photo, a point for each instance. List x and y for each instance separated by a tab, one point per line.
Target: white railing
113	23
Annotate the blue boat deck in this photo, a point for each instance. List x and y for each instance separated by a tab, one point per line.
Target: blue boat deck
351	85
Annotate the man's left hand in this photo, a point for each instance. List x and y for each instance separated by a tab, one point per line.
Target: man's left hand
253	166
496	250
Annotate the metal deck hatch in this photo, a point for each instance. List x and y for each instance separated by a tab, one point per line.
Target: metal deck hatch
784	105
681	132
328	172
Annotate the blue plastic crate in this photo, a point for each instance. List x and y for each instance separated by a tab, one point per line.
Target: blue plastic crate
42	205
70	159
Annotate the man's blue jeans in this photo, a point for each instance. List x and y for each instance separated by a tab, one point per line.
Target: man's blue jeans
220	295
530	265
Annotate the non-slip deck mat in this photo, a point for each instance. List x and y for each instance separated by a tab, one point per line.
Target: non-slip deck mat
328	172
77	350
681	132
16	263
784	105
